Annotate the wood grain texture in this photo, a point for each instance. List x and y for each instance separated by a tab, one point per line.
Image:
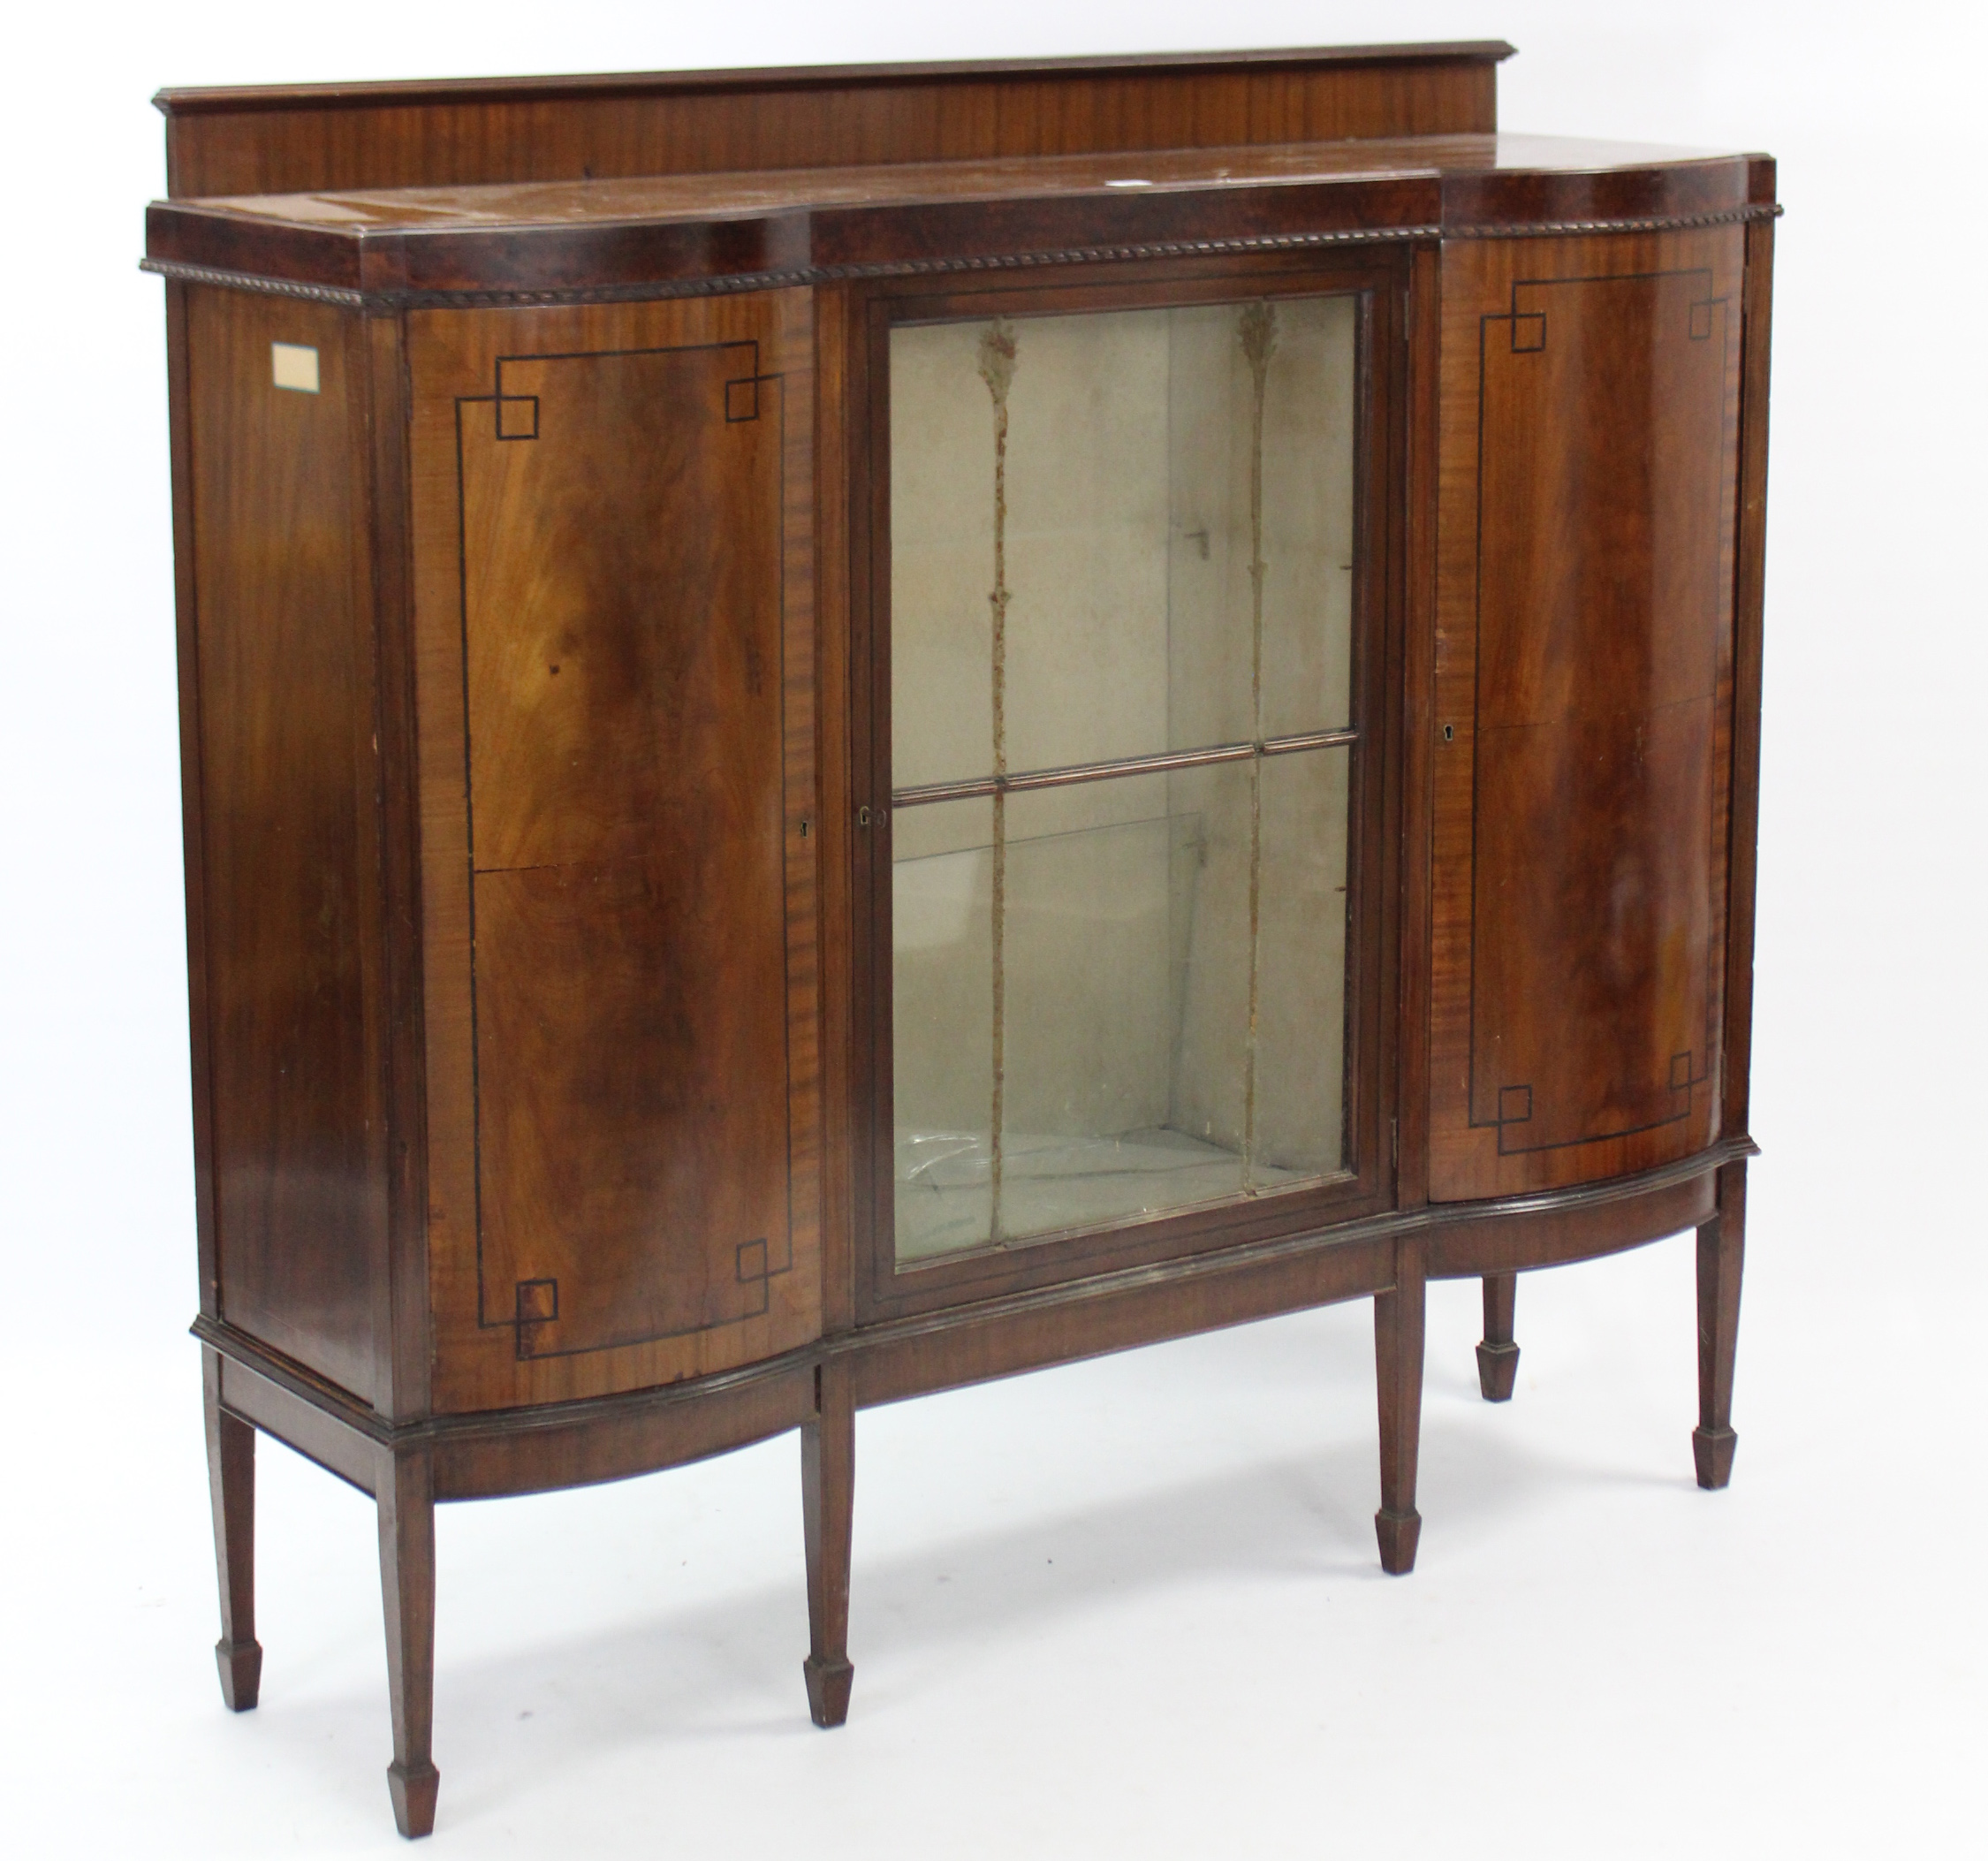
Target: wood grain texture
230	1473
684	234
1556	1229
1422	333
285	767
192	804
185	99
623	1079
1060	1325
1584	700
401	1333
1548	178
541	1448
835	812
549	1448
404	1487
1384	507
534	671
622	563
1400	1321
1364	1185
297	1411
315	136
1497	1356
1749	591
828	1474
1721	1260
1482	177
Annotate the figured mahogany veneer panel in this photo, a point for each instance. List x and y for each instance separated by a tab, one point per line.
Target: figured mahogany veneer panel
1583	680
621	582
631	1068
621	981
283	767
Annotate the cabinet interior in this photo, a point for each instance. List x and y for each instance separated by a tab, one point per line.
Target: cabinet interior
1122	562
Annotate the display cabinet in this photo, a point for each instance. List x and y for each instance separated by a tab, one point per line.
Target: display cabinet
846	730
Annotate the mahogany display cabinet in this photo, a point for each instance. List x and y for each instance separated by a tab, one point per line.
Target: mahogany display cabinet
846	730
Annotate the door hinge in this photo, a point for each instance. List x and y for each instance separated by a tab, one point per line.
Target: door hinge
1394	1143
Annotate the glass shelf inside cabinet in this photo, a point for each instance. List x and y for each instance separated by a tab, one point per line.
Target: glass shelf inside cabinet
1121	737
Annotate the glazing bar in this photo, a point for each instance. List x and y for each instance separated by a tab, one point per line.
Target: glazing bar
977	786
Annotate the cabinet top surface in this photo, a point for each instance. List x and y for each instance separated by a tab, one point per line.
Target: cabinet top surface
546	240
223	99
553	189
677	197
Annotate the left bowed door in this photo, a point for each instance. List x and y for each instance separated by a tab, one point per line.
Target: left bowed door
615	686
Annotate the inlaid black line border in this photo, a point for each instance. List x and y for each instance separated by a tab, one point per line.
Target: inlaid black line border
1714	954
495	401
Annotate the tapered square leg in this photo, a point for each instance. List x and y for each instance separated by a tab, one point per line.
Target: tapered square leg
406	1491
231	1477
1397	1343
1497	1356
828	1461
1721	1255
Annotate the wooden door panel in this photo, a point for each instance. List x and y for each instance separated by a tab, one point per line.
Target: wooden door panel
1591	908
631	1102
621	582
623	1095
1584	702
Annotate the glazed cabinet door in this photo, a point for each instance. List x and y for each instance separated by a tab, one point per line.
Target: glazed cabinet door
616	700
1583	705
1127	558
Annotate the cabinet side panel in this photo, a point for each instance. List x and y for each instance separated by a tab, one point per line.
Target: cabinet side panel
187	641
1750	594
1585	679
288	799
617	713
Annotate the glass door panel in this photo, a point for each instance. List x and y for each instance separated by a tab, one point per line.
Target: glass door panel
1121	572
943	1016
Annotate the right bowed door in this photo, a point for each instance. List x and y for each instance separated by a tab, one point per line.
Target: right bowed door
1583	705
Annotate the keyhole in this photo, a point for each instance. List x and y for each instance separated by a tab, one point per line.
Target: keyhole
1449	733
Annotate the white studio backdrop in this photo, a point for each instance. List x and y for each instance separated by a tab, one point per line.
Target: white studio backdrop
1134	1606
